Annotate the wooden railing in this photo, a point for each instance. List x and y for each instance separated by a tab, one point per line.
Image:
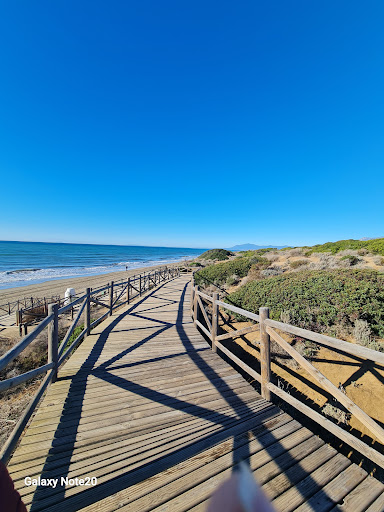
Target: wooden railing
205	309
110	297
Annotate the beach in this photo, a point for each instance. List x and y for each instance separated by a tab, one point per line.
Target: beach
80	284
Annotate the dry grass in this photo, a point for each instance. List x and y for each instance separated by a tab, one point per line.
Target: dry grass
271	256
12	405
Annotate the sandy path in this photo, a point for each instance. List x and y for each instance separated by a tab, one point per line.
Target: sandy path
80	284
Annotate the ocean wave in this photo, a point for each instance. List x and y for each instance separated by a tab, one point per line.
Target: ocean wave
10	272
23	277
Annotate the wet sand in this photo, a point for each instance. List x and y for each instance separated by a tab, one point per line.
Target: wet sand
80	284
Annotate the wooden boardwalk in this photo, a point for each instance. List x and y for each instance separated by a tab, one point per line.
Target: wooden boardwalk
160	420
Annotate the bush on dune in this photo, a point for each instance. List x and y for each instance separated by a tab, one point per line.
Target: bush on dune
319	299
220	273
216	254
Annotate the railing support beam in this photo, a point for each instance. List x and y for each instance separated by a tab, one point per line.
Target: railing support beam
215	320
87	322
111	299
53	339
265	355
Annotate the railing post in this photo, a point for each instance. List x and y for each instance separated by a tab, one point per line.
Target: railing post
215	320
195	305
53	338
128	288
111	299
87	321
140	285
192	294
265	354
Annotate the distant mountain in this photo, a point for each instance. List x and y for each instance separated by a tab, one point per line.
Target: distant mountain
366	238
253	247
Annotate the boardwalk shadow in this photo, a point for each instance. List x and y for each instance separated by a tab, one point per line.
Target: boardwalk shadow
243	423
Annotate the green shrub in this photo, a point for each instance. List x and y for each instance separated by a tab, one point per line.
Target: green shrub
219	273
78	330
319	299
195	264
216	254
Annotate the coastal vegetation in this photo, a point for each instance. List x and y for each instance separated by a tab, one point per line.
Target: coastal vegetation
233	270
326	288
375	246
319	300
335	289
216	254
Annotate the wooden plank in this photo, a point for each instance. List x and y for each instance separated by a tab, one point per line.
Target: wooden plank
194	484
82	447
153	465
306	487
178	434
377	505
345	493
143	480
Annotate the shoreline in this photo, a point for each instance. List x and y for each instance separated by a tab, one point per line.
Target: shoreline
80	284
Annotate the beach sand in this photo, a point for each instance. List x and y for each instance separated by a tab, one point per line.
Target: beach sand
80	284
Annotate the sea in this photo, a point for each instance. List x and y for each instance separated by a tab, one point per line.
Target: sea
24	263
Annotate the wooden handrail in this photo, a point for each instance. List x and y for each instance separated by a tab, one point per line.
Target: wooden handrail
19	347
328	386
267	330
239	311
322	339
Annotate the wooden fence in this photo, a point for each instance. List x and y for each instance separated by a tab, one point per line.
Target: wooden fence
205	310
26	303
110	297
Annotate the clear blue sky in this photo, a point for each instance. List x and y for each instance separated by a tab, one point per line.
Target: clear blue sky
198	124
